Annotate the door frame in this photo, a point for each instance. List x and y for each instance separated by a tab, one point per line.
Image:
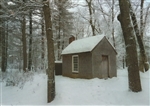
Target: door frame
106	56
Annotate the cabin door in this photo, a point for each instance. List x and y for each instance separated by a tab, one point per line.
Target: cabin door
105	66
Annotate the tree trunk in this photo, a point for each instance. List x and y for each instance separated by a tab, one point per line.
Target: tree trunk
0	46
89	2
24	41
146	17
113	16
50	48
24	44
42	40
60	28
63	38
131	51
142	58
123	62
141	18
30	43
4	47
2	40
43	35
59	34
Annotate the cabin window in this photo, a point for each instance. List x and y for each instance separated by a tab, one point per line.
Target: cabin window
75	63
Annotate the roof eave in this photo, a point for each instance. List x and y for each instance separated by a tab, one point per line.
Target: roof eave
75	53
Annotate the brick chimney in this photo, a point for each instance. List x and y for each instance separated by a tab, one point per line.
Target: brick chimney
71	39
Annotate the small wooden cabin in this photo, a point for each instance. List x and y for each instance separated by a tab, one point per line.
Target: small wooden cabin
89	58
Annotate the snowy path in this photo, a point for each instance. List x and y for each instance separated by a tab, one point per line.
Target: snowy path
78	91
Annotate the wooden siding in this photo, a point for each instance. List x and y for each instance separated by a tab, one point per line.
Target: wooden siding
85	66
103	48
91	63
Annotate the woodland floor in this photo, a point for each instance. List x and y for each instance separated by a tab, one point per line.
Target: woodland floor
70	91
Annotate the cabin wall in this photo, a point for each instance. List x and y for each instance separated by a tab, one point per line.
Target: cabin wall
85	66
104	48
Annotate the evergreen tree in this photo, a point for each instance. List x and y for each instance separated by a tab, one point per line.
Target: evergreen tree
63	24
50	49
3	34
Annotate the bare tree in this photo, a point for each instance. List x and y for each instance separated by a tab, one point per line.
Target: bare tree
91	12
50	49
130	42
141	18
108	16
112	19
145	18
142	58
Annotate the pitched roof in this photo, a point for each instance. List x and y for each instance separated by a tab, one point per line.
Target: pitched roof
83	45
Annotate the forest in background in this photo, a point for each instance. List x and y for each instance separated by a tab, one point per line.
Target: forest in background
23	40
22	30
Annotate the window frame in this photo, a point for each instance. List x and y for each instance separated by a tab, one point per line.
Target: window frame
73	63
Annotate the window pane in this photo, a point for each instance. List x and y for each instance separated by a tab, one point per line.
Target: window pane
75	63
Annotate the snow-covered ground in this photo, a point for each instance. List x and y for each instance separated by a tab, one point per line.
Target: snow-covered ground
70	91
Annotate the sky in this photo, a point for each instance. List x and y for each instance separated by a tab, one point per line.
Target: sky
147	0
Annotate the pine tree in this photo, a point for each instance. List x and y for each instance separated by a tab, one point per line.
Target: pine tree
63	24
3	34
30	41
50	49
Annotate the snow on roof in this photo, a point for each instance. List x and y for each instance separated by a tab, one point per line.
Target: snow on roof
82	45
58	61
